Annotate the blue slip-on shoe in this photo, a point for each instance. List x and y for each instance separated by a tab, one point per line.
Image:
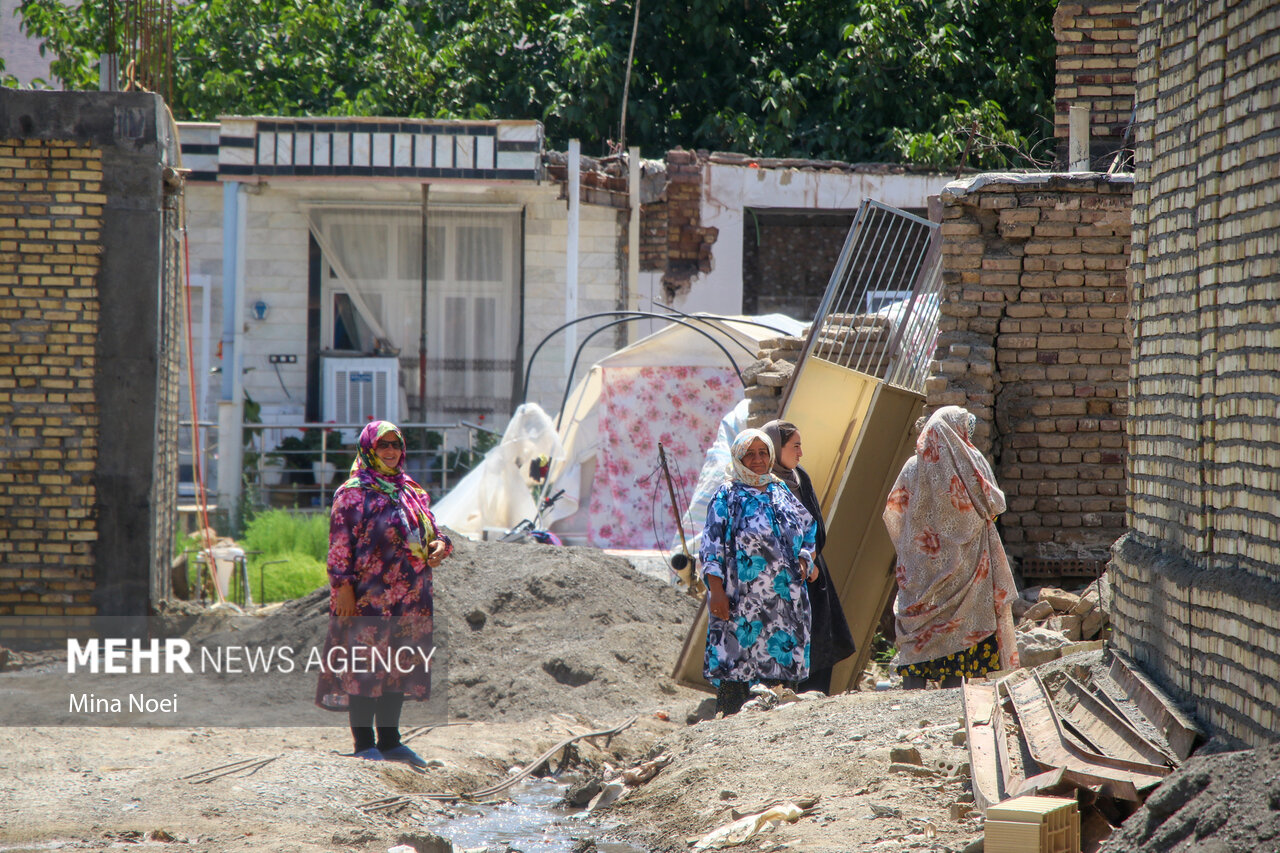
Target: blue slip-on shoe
404	754
372	754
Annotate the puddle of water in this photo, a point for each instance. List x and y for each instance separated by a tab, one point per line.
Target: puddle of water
530	822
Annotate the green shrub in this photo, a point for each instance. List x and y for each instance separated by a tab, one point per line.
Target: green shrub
301	540
301	574
276	532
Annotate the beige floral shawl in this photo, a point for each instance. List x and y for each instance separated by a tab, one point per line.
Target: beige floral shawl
955	587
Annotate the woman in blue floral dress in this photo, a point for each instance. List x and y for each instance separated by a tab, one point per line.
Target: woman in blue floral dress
756	556
383	544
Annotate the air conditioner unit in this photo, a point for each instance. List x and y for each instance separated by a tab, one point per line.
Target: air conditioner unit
358	390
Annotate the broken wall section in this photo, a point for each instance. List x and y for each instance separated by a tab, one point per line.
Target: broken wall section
1033	341
1197	589
89	344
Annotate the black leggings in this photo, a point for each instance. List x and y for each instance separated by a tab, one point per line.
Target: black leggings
362	710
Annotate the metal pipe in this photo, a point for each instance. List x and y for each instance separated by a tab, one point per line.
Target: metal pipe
529	367
568	385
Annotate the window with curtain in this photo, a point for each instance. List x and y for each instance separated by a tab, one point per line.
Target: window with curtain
373	298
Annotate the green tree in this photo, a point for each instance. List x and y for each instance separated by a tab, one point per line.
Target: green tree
922	81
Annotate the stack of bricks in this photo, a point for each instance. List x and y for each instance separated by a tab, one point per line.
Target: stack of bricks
51	209
1032	340
1197	588
1097	54
768	377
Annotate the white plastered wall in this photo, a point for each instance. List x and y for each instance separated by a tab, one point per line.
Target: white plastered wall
729	190
276	272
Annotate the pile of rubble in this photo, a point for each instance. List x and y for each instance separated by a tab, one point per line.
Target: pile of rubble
767	377
1052	622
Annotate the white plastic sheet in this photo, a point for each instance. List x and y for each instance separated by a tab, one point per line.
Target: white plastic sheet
498	493
714	473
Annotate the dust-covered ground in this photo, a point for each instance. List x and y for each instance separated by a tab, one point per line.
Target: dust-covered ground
545	644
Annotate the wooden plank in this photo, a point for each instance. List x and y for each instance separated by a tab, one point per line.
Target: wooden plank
1050	747
978	700
688	668
1182	732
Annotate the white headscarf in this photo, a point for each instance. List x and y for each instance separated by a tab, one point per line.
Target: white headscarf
741	473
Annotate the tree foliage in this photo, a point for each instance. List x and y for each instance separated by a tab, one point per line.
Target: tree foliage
921	81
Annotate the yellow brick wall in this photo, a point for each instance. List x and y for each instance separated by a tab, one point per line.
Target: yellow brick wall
51	210
1198	579
1032	340
1096	58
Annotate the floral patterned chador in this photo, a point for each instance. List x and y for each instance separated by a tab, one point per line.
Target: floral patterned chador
379	531
754	541
955	588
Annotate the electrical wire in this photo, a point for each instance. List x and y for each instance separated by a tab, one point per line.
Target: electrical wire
197	459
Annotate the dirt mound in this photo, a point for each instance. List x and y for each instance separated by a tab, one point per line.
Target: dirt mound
1214	804
532	629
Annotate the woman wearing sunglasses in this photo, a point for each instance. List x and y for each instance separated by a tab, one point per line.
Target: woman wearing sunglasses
383	545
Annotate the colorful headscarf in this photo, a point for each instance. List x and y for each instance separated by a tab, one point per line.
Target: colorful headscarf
780	433
368	471
955	587
741	473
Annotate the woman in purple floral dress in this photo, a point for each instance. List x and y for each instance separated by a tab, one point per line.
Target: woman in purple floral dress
383	544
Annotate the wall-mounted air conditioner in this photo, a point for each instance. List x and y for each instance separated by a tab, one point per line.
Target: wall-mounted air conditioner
358	390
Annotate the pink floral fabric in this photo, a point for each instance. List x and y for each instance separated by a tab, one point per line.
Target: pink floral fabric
955	587
640	406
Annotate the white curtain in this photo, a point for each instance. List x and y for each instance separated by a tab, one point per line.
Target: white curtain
373	290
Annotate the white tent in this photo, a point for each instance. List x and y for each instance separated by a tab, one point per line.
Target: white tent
673	386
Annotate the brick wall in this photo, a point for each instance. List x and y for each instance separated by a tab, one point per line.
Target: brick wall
1197	588
88	363
788	258
51	208
1097	54
673	238
1032	340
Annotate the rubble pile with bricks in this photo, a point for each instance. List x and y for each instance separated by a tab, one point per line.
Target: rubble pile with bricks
1051	621
51	208
1033	340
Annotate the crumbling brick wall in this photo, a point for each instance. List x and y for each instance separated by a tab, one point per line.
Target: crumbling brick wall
673	239
1197	589
89	349
1032	340
1096	57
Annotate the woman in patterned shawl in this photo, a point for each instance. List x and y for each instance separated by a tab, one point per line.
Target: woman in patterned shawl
955	589
383	544
829	639
756	556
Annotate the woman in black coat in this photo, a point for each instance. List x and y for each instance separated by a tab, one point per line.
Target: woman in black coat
830	640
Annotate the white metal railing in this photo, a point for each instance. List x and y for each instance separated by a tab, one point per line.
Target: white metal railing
299	465
880	312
